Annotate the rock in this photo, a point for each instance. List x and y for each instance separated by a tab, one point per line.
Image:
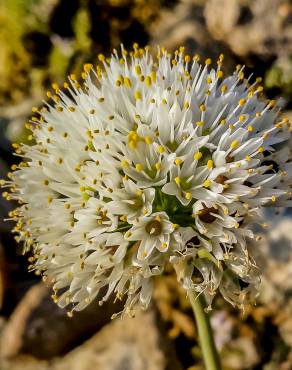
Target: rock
123	344
251	27
40	328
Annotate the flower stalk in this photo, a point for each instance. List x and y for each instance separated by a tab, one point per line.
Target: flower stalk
205	333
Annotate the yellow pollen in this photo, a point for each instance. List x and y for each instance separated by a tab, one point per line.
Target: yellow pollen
210	164
248	158
148	140
223	89
138	167
202	107
188	196
187	58
127	82
178	161
177	180
207	183
273	198
163	245
220	74
234	144
101	57
138	70
200	123
242	118
158	166
161	149
261	149
250	128
87	67
125	164
242	102
148	81
208	61
198	156
137	95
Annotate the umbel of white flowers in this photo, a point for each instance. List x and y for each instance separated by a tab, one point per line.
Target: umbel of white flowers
150	162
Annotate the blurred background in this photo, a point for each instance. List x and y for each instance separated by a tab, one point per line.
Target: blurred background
42	41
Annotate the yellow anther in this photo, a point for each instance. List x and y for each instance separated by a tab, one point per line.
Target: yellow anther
273	198
220	74
138	70
125	164
265	135
55	86
148	140
223	121
177	180
208	61
133	144
248	158
250	128
199	123
137	95
198	156
234	144
178	161
187	58
163	245
153	76
202	107
260	88
127	82
242	102
210	164
148	81
138	167
209	80
196	58
223	89
158	166
101	57
241	117
241	75
261	149
188	196
207	183
161	149
164	101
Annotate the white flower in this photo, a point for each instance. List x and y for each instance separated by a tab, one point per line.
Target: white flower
153	232
150	161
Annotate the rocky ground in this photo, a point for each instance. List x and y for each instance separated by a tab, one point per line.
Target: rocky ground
47	40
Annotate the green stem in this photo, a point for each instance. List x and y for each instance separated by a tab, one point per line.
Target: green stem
205	333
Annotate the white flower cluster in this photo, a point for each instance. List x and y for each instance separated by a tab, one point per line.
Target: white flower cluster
150	162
